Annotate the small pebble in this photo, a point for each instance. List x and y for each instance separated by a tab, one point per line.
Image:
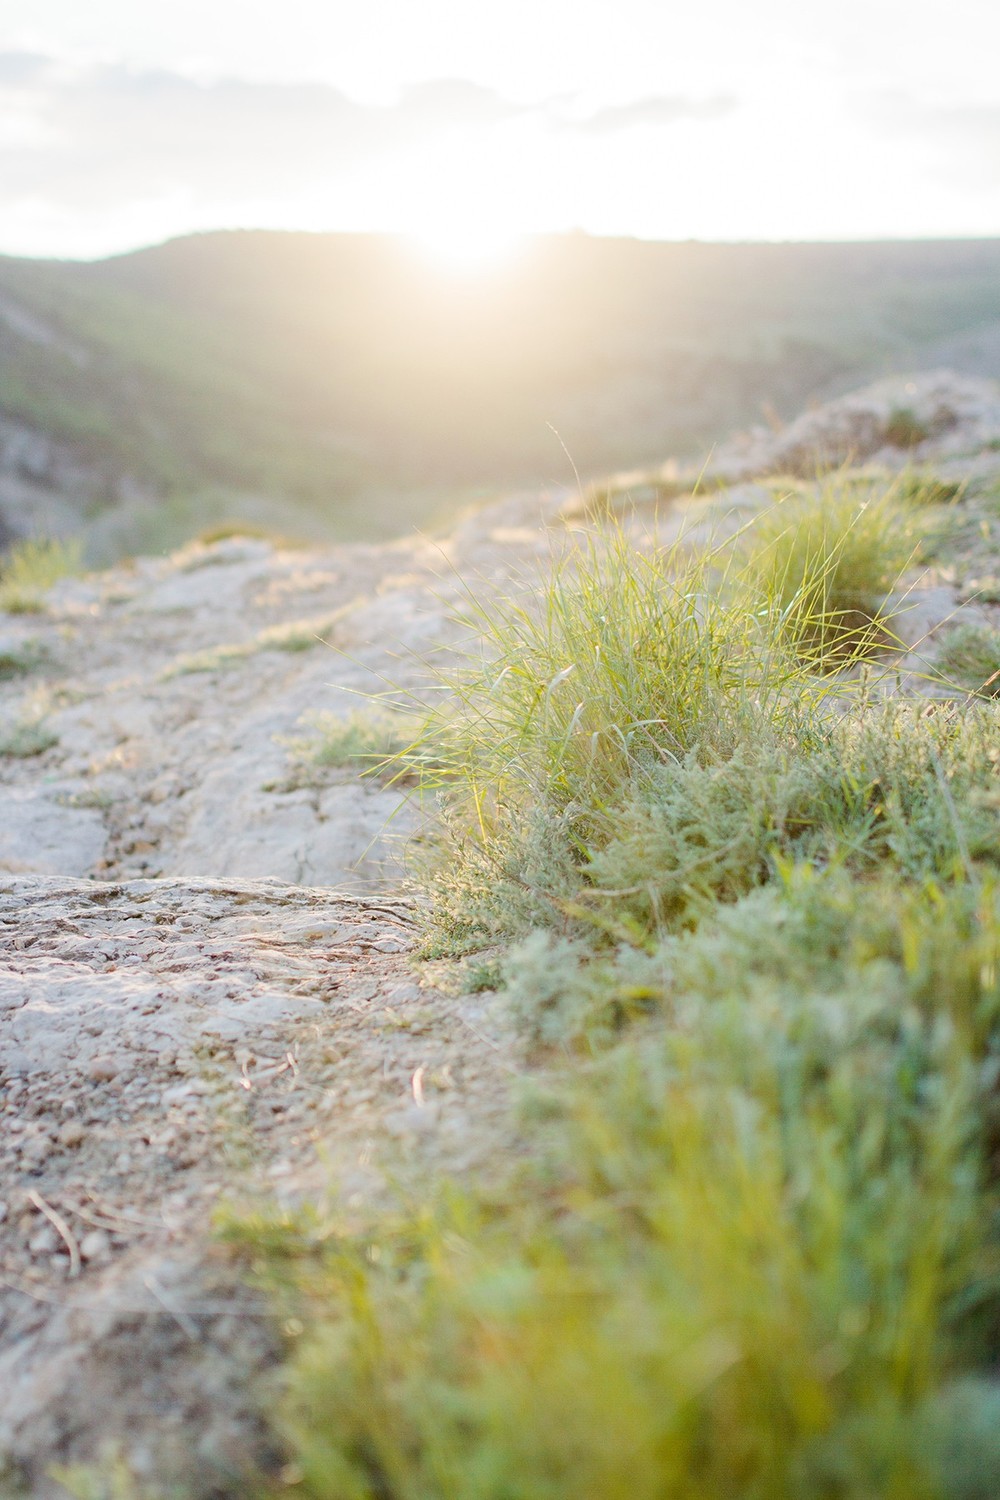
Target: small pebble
44	1241
95	1245
102	1069
36	1149
71	1133
175	1094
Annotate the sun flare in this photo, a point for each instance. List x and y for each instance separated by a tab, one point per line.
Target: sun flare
466	246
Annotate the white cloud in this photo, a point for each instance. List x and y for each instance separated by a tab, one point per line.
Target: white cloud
960	140
98	155
105	142
124	149
658	111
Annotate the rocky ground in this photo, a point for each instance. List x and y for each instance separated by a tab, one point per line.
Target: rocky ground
206	980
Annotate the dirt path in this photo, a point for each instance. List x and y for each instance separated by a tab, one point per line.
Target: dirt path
206	991
164	1045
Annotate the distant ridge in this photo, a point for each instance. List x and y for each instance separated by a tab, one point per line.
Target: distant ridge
346	386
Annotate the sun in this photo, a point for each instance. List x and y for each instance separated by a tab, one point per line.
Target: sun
466	246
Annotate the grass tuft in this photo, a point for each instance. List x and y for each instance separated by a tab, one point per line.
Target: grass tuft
970	660
25	738
30	569
20	661
904	429
372	741
831	559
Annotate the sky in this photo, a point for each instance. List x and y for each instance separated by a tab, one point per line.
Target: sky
465	125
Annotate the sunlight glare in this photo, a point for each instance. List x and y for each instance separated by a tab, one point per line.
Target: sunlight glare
466	245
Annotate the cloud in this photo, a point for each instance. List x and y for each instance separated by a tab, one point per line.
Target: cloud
658	111
97	156
961	141
94	134
451	101
17	68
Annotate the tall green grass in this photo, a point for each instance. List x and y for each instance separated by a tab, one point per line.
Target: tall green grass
832	557
621	663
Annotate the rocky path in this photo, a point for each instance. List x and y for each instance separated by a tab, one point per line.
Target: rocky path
161	696
164	1045
206	992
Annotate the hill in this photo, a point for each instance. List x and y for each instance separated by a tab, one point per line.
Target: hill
343	386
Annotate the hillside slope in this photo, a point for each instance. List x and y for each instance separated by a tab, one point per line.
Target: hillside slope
341	386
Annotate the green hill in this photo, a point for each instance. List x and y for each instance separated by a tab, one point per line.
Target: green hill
347	384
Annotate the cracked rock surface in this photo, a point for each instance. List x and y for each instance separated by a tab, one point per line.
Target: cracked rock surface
167	690
165	1044
206	992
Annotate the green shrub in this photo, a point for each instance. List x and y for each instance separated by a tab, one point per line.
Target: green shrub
25	738
590	787
30	569
21	660
904	429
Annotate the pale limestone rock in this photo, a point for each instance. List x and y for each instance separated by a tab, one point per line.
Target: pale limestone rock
41	835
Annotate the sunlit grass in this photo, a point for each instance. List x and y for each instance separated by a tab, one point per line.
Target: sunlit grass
30	569
293	637
832	557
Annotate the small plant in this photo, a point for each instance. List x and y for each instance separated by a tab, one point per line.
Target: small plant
904	429
30	569
91	797
293	637
377	742
830	560
624	492
296	635
478	977
25	738
371	739
919	489
225	531
111	1478
970	659
20	661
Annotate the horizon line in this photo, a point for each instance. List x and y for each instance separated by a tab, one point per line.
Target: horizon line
529	236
